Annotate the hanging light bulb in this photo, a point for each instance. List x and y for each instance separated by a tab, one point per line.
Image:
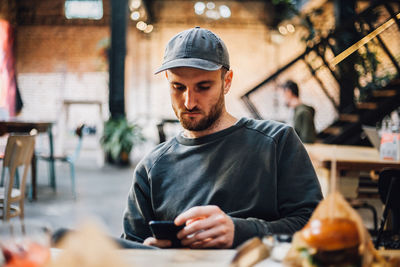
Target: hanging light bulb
135	15
135	4
290	28
149	28
210	5
282	30
199	8
225	11
141	25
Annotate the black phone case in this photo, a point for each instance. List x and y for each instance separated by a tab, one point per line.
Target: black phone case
166	230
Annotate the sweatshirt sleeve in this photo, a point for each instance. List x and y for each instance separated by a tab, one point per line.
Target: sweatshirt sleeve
298	190
139	209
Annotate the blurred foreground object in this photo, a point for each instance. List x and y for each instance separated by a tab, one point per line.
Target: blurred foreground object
249	253
389	188
88	246
334	236
24	244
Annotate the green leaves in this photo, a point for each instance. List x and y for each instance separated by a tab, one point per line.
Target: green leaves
120	136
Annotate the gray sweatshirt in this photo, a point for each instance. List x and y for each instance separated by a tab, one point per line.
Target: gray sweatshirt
257	172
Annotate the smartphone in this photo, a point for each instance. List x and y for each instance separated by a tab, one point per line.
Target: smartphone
166	230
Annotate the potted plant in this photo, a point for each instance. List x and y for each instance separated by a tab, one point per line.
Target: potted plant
118	139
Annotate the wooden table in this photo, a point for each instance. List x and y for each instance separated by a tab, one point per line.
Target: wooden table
196	258
20	126
177	257
348	158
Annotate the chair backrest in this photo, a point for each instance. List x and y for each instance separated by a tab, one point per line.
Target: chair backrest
19	151
389	191
79	131
389	187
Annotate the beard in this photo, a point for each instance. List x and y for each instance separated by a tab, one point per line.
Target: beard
204	123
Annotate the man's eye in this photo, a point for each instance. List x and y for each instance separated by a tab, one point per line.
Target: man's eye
179	88
204	88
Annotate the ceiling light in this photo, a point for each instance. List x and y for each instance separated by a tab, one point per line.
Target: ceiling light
141	25
135	15
210	5
290	28
212	14
212	10
199	8
282	30
135	4
225	11
149	28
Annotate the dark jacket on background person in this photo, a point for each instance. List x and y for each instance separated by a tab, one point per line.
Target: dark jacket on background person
303	121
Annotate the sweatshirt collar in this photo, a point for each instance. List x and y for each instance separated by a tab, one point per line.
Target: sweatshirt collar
211	137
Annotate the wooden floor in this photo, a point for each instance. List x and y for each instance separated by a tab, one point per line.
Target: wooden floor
101	195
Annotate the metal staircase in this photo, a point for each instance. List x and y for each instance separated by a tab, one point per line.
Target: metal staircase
347	129
377	103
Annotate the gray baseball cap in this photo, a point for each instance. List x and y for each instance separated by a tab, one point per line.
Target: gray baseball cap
197	48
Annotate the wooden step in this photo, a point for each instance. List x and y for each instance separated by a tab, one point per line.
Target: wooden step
395	82
384	93
367	105
349	117
332	130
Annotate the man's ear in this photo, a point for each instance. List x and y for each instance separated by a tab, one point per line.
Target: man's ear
228	81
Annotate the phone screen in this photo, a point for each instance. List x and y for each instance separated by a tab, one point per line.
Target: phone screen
166	230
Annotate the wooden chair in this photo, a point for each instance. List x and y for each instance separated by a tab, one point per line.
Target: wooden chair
389	188
367	189
18	153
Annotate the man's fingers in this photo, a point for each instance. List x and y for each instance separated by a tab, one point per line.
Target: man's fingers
213	225
202	236
195	227
195	212
219	242
151	241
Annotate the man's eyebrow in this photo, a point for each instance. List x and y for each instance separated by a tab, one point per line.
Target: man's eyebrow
199	83
205	82
176	83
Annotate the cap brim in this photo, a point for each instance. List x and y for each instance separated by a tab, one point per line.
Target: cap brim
189	62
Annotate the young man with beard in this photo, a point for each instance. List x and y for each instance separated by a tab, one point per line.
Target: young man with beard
225	179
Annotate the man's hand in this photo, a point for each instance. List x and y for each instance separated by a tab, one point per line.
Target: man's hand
151	241
206	227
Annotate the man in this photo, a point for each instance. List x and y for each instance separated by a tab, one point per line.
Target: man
303	118
226	180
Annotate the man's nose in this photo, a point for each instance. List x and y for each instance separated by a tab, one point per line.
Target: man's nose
190	99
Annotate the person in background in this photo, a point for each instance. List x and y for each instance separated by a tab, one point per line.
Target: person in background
303	118
224	179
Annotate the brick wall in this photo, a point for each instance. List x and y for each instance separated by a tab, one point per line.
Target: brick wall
60	62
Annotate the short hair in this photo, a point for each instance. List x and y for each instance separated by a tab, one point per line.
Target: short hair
292	86
223	72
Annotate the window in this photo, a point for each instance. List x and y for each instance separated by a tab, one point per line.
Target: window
84	9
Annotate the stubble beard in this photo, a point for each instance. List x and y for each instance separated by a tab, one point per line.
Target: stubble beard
191	124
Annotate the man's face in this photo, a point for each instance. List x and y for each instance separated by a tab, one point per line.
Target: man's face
197	96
